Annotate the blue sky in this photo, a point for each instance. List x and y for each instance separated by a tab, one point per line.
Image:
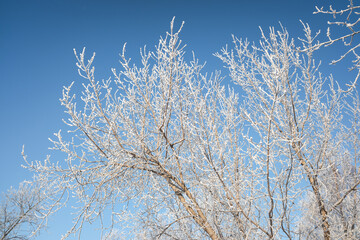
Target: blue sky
37	40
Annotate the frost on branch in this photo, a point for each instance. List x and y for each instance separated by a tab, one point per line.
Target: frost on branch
348	18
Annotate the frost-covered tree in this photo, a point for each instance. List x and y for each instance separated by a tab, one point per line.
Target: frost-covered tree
302	138
171	153
22	212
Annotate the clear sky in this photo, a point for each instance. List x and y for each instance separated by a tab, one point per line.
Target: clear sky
36	56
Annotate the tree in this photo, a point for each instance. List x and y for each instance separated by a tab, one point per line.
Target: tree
174	154
297	119
22	211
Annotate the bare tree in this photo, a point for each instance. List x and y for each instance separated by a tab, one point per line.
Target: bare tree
174	154
22	212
